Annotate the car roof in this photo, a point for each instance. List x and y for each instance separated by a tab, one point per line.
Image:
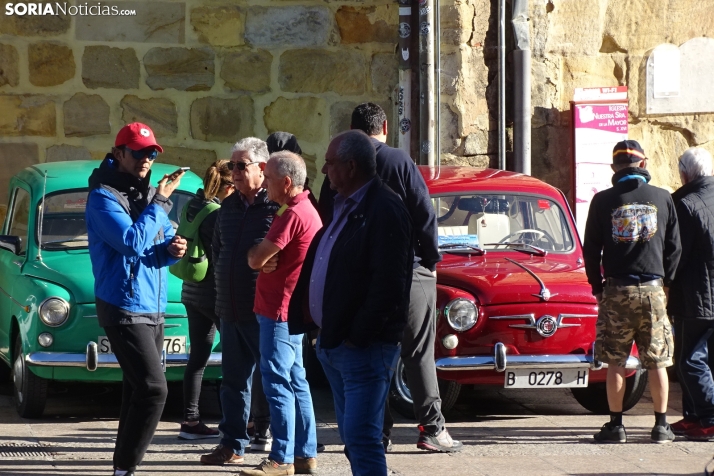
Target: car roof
74	174
455	178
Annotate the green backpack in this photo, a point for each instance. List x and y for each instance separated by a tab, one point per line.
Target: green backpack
192	267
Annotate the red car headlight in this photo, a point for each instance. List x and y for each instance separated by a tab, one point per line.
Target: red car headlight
461	314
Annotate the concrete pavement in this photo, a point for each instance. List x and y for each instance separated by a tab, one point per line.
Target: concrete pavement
510	432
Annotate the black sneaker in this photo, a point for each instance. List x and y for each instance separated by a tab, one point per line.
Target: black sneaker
662	434
610	433
320	447
197	432
261	442
387	443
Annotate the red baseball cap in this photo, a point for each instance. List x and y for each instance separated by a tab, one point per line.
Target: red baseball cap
137	136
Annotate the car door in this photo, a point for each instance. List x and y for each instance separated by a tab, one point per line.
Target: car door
16	224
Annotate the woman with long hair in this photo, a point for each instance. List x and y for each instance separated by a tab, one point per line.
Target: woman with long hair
198	298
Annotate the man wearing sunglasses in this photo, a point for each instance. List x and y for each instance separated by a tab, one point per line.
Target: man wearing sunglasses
131	240
243	221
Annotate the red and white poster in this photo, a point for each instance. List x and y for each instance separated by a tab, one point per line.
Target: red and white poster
600	118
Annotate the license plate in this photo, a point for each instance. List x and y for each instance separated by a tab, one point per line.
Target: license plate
546	378
172	345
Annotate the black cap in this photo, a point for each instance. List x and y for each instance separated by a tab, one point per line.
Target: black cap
278	141
627	152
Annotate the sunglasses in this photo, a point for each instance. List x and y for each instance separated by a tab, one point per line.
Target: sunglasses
150	153
239	165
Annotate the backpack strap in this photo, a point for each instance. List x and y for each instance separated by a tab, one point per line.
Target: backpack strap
191	228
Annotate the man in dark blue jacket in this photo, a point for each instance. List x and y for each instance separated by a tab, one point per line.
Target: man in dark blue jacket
398	171
354	285
131	241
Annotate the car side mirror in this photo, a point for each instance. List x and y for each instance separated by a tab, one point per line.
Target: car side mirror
11	243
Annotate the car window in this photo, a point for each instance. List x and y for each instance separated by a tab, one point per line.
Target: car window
20	217
63	223
484	219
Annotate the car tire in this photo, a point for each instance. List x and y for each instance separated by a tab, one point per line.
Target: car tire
30	391
594	397
400	397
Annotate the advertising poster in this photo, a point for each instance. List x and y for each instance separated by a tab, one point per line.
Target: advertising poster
600	121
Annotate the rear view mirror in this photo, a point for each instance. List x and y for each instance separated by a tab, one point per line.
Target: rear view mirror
482	204
11	243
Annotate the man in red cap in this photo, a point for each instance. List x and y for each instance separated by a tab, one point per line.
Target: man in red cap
130	240
632	235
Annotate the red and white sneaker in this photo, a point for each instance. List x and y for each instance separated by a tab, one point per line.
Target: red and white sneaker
441	442
682	426
701	433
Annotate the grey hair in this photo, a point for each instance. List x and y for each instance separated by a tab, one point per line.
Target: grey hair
257	149
289	164
356	145
695	162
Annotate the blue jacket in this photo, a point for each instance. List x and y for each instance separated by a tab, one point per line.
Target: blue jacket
129	232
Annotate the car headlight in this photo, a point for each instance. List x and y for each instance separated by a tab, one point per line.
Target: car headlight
54	311
461	314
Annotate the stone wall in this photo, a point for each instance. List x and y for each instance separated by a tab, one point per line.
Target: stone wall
204	73
574	43
201	73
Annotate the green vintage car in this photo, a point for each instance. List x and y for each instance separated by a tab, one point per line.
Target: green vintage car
48	321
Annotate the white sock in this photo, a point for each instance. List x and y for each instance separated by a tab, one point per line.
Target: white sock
120	472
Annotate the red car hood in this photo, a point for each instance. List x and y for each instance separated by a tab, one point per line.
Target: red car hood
493	279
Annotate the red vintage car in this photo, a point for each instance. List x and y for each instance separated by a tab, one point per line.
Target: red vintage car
514	305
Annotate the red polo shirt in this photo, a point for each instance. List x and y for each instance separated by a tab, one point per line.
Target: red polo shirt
292	231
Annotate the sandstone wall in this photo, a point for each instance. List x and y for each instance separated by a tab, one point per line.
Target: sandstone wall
201	73
204	73
575	43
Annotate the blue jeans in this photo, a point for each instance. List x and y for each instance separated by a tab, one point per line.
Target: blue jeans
693	370
360	379
240	347
292	418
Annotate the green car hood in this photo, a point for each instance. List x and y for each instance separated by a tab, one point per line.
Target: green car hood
72	269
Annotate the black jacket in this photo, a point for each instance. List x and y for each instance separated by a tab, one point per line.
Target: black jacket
692	292
237	229
634	226
366	297
397	169
203	292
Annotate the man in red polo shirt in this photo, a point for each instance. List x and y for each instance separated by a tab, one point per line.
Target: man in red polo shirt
286	389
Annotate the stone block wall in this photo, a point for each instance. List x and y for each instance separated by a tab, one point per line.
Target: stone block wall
574	43
201	73
204	73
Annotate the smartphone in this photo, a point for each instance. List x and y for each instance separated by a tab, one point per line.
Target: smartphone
185	168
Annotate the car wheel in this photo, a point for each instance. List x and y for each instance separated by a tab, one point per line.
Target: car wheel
594	396
30	390
400	397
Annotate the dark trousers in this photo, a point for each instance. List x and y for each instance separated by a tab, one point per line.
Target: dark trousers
202	323
138	349
696	338
418	355
241	393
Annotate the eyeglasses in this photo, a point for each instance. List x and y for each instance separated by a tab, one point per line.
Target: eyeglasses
239	165
149	152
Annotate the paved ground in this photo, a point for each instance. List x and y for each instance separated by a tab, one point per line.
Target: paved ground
505	433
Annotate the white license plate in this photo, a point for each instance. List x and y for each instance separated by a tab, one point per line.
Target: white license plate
546	378
172	345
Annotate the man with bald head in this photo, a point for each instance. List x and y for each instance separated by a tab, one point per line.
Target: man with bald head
354	286
292	418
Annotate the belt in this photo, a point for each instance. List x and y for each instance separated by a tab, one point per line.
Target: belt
632	282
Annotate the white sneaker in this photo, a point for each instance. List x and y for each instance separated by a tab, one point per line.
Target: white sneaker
261	443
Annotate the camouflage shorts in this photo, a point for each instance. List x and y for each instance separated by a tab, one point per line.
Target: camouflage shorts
636	314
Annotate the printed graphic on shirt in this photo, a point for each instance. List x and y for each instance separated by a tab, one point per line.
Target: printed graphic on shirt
634	222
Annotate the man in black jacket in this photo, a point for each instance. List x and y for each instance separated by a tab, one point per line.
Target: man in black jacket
398	171
632	230
243	221
354	285
691	303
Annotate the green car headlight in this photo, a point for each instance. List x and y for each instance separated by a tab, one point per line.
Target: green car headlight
461	314
54	311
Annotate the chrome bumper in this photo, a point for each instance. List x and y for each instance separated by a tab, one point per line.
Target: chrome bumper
92	360
499	362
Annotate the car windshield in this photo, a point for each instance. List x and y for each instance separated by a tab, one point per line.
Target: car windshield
63	225
508	222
